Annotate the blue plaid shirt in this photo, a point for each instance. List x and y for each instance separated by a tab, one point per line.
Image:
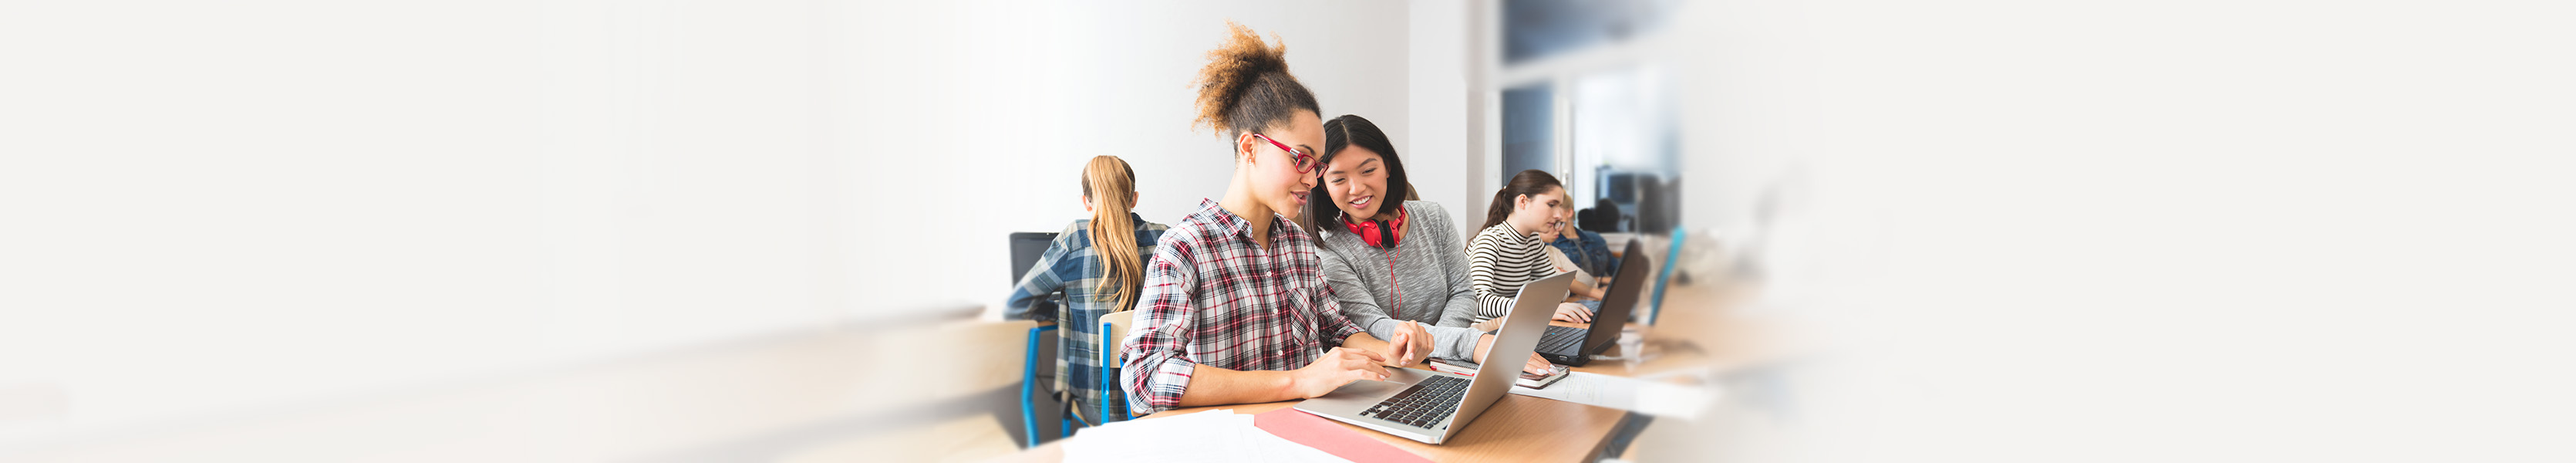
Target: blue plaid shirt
1069	265
1590	252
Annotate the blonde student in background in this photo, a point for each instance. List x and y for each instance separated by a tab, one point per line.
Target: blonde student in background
1512	249
1589	287
1099	263
1235	307
1396	266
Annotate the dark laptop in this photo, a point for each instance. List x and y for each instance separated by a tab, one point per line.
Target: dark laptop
1026	248
1574	346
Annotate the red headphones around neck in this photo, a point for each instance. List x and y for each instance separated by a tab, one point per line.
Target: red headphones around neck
1383	235
1377	232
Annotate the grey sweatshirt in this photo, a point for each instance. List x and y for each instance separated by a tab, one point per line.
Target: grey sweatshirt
1429	271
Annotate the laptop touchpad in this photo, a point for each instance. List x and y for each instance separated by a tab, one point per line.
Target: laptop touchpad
1368	389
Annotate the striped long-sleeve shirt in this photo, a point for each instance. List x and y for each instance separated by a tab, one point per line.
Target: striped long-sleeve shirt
1499	262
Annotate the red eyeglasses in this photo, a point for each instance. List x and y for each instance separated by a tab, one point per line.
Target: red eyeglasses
1304	162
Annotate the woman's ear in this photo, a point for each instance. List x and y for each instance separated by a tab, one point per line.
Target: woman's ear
1243	146
1086	204
1133	198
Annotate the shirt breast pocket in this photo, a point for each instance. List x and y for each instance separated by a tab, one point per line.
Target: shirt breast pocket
1298	309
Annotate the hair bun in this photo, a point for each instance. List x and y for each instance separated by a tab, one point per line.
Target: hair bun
1246	84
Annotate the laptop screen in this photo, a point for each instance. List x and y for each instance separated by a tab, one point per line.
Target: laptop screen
1622	299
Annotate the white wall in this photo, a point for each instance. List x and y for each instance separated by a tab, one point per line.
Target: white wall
1439	97
209	209
217	208
592	179
973	121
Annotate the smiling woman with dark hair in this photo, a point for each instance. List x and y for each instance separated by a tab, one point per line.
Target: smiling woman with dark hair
1344	134
1394	265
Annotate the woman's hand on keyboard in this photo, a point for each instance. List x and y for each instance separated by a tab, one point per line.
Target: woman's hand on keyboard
1571	312
1337	367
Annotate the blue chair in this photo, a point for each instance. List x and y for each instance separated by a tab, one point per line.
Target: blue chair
1026	248
1113	329
1028	388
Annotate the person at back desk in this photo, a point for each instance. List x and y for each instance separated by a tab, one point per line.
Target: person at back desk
1565	252
1587	250
1512	251
1099	263
1236	309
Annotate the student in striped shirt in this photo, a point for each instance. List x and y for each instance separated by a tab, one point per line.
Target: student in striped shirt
1511	253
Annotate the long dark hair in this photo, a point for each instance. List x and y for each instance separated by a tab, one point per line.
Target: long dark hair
1340	134
1531	182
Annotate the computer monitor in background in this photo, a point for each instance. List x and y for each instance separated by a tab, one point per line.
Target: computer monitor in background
1025	249
1620	187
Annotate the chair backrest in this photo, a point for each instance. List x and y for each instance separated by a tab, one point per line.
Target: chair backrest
1113	333
1113	337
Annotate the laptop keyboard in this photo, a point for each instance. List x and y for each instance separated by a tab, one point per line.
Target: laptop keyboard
1423	404
1561	339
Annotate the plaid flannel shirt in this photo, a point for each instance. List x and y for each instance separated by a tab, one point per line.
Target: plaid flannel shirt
1071	265
1212	297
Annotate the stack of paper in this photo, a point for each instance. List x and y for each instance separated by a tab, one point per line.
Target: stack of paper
1218	435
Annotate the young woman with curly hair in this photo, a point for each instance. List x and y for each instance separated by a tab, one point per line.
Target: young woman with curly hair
1235	308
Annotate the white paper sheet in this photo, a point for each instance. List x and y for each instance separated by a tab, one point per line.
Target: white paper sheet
1212	436
1648	397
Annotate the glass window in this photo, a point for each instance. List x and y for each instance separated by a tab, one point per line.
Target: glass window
1540	28
1624	143
1529	130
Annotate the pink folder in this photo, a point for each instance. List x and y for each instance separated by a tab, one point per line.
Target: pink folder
1329	436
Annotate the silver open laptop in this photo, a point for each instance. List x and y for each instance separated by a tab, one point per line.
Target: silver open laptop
1431	406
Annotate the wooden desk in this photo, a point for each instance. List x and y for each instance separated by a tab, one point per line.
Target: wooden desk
1698	332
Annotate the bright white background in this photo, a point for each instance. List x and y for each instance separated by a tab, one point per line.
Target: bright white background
2165	231
985	134
2272	230
208	211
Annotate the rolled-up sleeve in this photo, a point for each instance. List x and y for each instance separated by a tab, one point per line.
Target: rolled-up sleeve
1157	368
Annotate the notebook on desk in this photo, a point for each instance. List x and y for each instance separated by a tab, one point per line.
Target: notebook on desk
1322	434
